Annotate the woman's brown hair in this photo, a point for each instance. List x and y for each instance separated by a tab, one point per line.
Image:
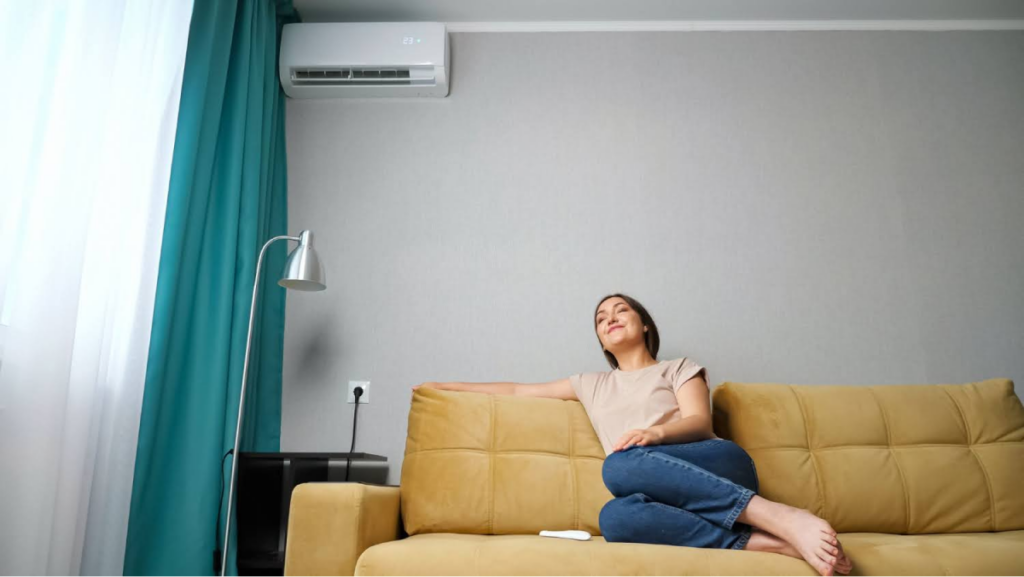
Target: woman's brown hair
651	339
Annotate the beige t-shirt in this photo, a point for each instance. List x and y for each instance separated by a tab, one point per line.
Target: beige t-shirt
617	401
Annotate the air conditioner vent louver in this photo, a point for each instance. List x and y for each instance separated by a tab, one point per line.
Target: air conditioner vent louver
355	77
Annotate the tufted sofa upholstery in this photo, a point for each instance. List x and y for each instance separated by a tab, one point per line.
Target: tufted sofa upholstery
919	479
905	459
510	465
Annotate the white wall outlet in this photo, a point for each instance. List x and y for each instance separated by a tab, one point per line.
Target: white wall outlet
365	398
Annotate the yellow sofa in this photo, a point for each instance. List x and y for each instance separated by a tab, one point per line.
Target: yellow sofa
918	479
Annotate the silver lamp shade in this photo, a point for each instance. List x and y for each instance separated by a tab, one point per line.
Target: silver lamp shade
303	271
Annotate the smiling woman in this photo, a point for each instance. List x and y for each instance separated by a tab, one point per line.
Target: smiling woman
620	317
673	480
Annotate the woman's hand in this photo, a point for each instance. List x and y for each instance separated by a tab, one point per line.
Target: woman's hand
428	384
642	437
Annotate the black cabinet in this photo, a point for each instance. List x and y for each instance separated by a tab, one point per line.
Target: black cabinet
265	483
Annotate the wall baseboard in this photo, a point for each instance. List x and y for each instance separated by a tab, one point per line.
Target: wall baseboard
733	25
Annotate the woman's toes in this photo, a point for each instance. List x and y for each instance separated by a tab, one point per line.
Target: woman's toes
827	558
823	568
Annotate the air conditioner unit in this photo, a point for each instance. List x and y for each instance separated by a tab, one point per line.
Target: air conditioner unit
367	59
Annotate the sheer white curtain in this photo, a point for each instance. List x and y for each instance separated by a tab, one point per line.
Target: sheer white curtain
88	110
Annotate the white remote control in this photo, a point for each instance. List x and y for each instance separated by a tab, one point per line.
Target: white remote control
577	535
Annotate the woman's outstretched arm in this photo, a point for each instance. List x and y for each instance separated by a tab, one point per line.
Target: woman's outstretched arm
488	388
560	389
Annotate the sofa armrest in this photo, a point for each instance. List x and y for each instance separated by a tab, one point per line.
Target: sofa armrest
331	524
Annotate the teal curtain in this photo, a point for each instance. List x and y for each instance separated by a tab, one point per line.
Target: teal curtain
227	197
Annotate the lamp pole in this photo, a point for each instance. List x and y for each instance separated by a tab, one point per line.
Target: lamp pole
303	272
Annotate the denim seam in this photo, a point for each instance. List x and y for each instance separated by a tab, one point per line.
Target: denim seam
757	482
671	508
681	463
701	442
744	538
745	493
745	498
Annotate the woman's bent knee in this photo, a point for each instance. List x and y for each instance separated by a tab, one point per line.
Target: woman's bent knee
610	471
615	472
745	464
615	520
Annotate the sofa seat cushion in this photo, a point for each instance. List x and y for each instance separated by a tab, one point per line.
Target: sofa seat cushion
457	554
938	554
872	554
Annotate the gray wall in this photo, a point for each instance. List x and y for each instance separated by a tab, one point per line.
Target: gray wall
797	207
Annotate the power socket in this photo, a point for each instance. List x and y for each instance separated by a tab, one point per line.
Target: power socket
365	398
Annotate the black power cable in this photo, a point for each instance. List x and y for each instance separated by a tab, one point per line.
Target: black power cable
216	528
356	392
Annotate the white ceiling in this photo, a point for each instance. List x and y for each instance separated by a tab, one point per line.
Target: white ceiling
641	14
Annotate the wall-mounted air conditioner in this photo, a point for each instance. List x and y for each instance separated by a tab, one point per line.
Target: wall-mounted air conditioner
359	60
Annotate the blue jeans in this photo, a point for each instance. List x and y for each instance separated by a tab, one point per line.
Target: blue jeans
686	494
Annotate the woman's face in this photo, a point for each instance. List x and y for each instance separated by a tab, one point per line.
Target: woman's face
617	324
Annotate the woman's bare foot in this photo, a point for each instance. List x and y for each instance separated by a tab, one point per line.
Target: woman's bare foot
844	565
763	541
811	536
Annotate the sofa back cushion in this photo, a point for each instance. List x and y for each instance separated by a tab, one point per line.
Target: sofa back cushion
904	459
498	464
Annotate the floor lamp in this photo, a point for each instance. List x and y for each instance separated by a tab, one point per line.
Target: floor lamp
303	272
